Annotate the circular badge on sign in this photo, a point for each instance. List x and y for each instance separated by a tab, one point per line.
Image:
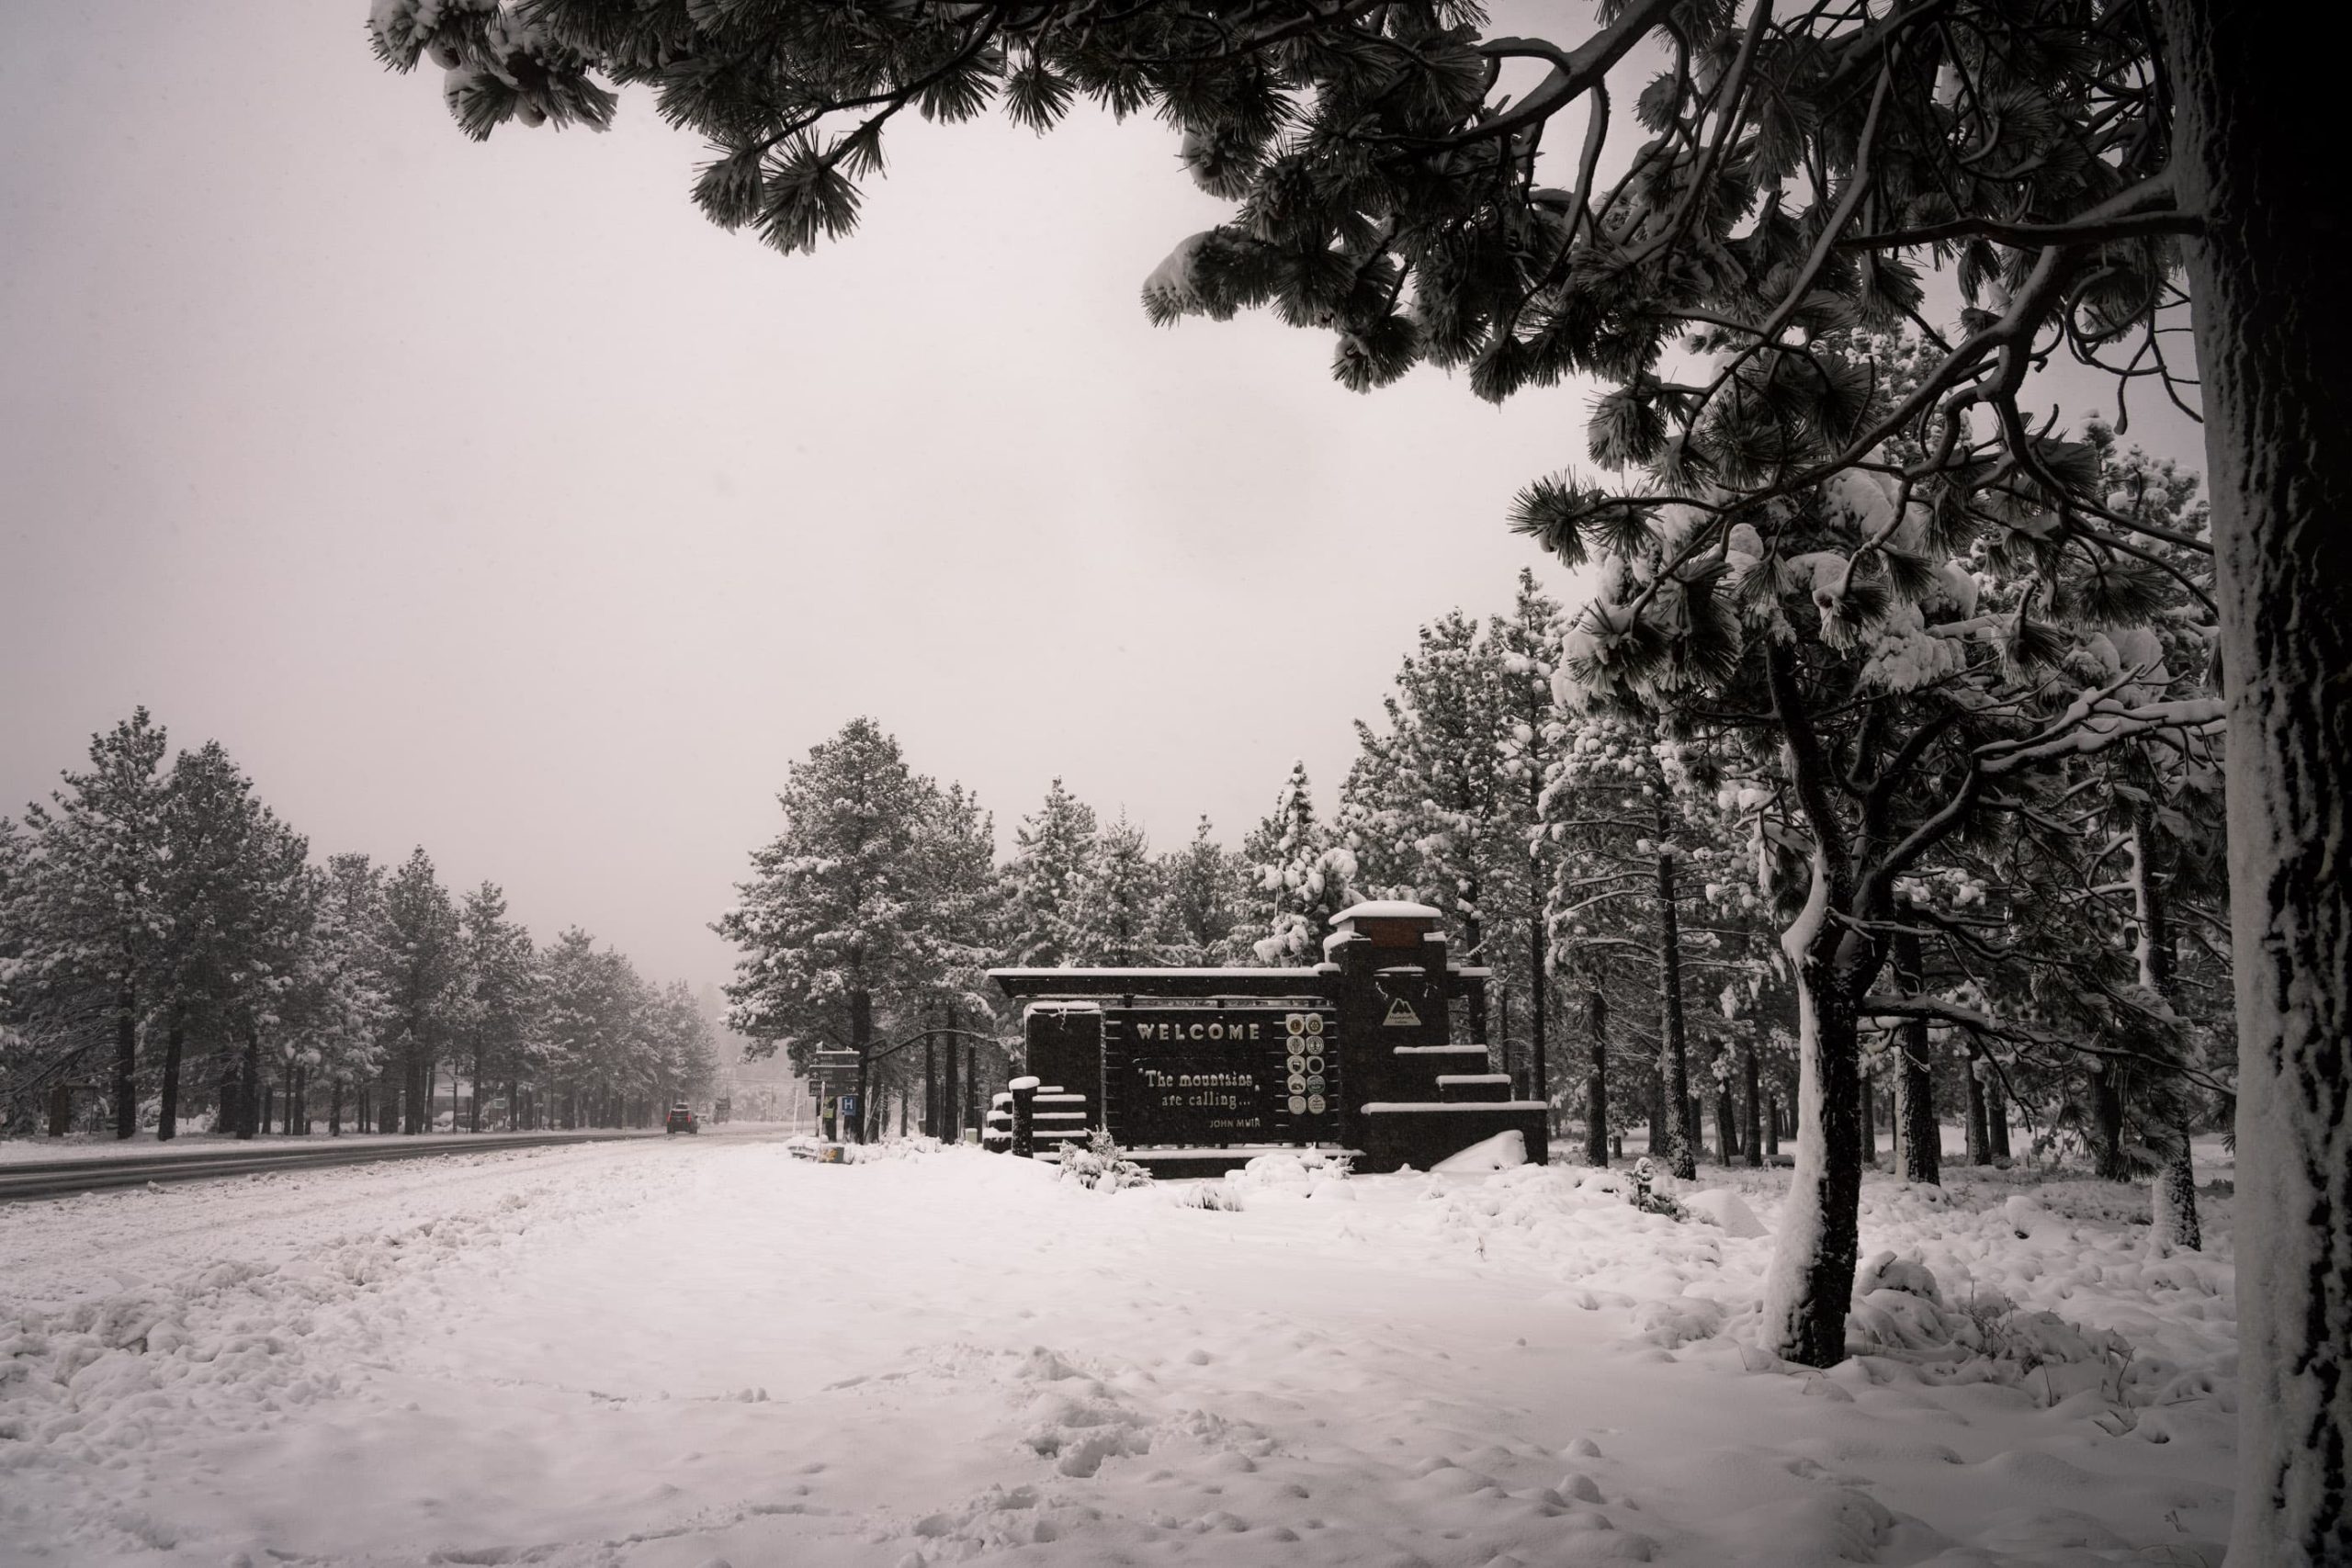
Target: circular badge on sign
1295	1024
1298	1083
1314	1064
1298	1103
1298	1063
1315	1082
1315	1104
1313	1023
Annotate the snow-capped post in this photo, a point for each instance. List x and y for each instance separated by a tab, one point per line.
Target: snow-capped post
1025	1116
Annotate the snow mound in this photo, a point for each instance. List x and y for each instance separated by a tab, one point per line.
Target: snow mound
1725	1210
1504	1151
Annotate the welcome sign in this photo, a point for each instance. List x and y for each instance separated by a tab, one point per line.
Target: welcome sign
1214	1075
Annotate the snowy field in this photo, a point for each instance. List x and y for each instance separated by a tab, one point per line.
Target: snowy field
673	1354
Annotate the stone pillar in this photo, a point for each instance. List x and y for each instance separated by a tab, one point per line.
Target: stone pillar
1025	1116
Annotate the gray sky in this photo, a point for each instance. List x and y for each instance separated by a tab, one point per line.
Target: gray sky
486	497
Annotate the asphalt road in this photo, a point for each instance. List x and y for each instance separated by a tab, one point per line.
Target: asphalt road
63	1178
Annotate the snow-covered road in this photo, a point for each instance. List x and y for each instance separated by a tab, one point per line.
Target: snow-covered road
684	1353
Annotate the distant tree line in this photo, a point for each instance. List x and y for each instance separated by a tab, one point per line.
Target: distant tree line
167	941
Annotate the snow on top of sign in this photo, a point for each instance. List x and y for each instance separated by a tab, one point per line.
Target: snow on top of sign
1386	909
1061	1007
1251	970
1386	1106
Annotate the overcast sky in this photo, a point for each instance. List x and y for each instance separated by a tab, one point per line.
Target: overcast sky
484	496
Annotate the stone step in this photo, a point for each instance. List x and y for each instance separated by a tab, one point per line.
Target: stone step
1473	1087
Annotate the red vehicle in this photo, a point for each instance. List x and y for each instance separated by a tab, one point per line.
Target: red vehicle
682	1119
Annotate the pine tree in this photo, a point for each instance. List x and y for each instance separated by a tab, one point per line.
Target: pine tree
1302	877
1054	863
349	975
1201	887
1121	908
1526	649
839	927
493	1016
1433	790
424	973
87	911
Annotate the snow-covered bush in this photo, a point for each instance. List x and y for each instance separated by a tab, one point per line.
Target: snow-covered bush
1647	1195
1100	1165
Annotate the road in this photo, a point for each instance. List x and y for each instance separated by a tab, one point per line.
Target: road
211	1161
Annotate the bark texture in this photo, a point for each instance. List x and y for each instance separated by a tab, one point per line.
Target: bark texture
2254	140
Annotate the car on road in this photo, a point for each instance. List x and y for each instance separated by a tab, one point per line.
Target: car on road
682	1119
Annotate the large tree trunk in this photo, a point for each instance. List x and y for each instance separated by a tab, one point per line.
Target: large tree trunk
1674	1059
2256	115
126	1060
1595	1078
1996	1116
1811	1281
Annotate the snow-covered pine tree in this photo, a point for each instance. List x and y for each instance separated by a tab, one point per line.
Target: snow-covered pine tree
1431	792
87	908
839	922
1054	863
1201	887
1301	877
1120	912
351	1010
1526	649
424	969
498	986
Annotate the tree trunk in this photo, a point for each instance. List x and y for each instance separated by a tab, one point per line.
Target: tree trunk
2173	1198
1980	1141
126	1060
335	1107
1750	1107
1870	1121
1539	999
1473	951
1914	1079
929	1087
1674	1060
1811	1281
167	1114
1772	1125
1726	1126
951	1092
2106	1121
1996	1117
1595	1078
250	1086
861	1038
2272	339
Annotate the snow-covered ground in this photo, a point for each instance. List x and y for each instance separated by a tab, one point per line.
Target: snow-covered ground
674	1354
